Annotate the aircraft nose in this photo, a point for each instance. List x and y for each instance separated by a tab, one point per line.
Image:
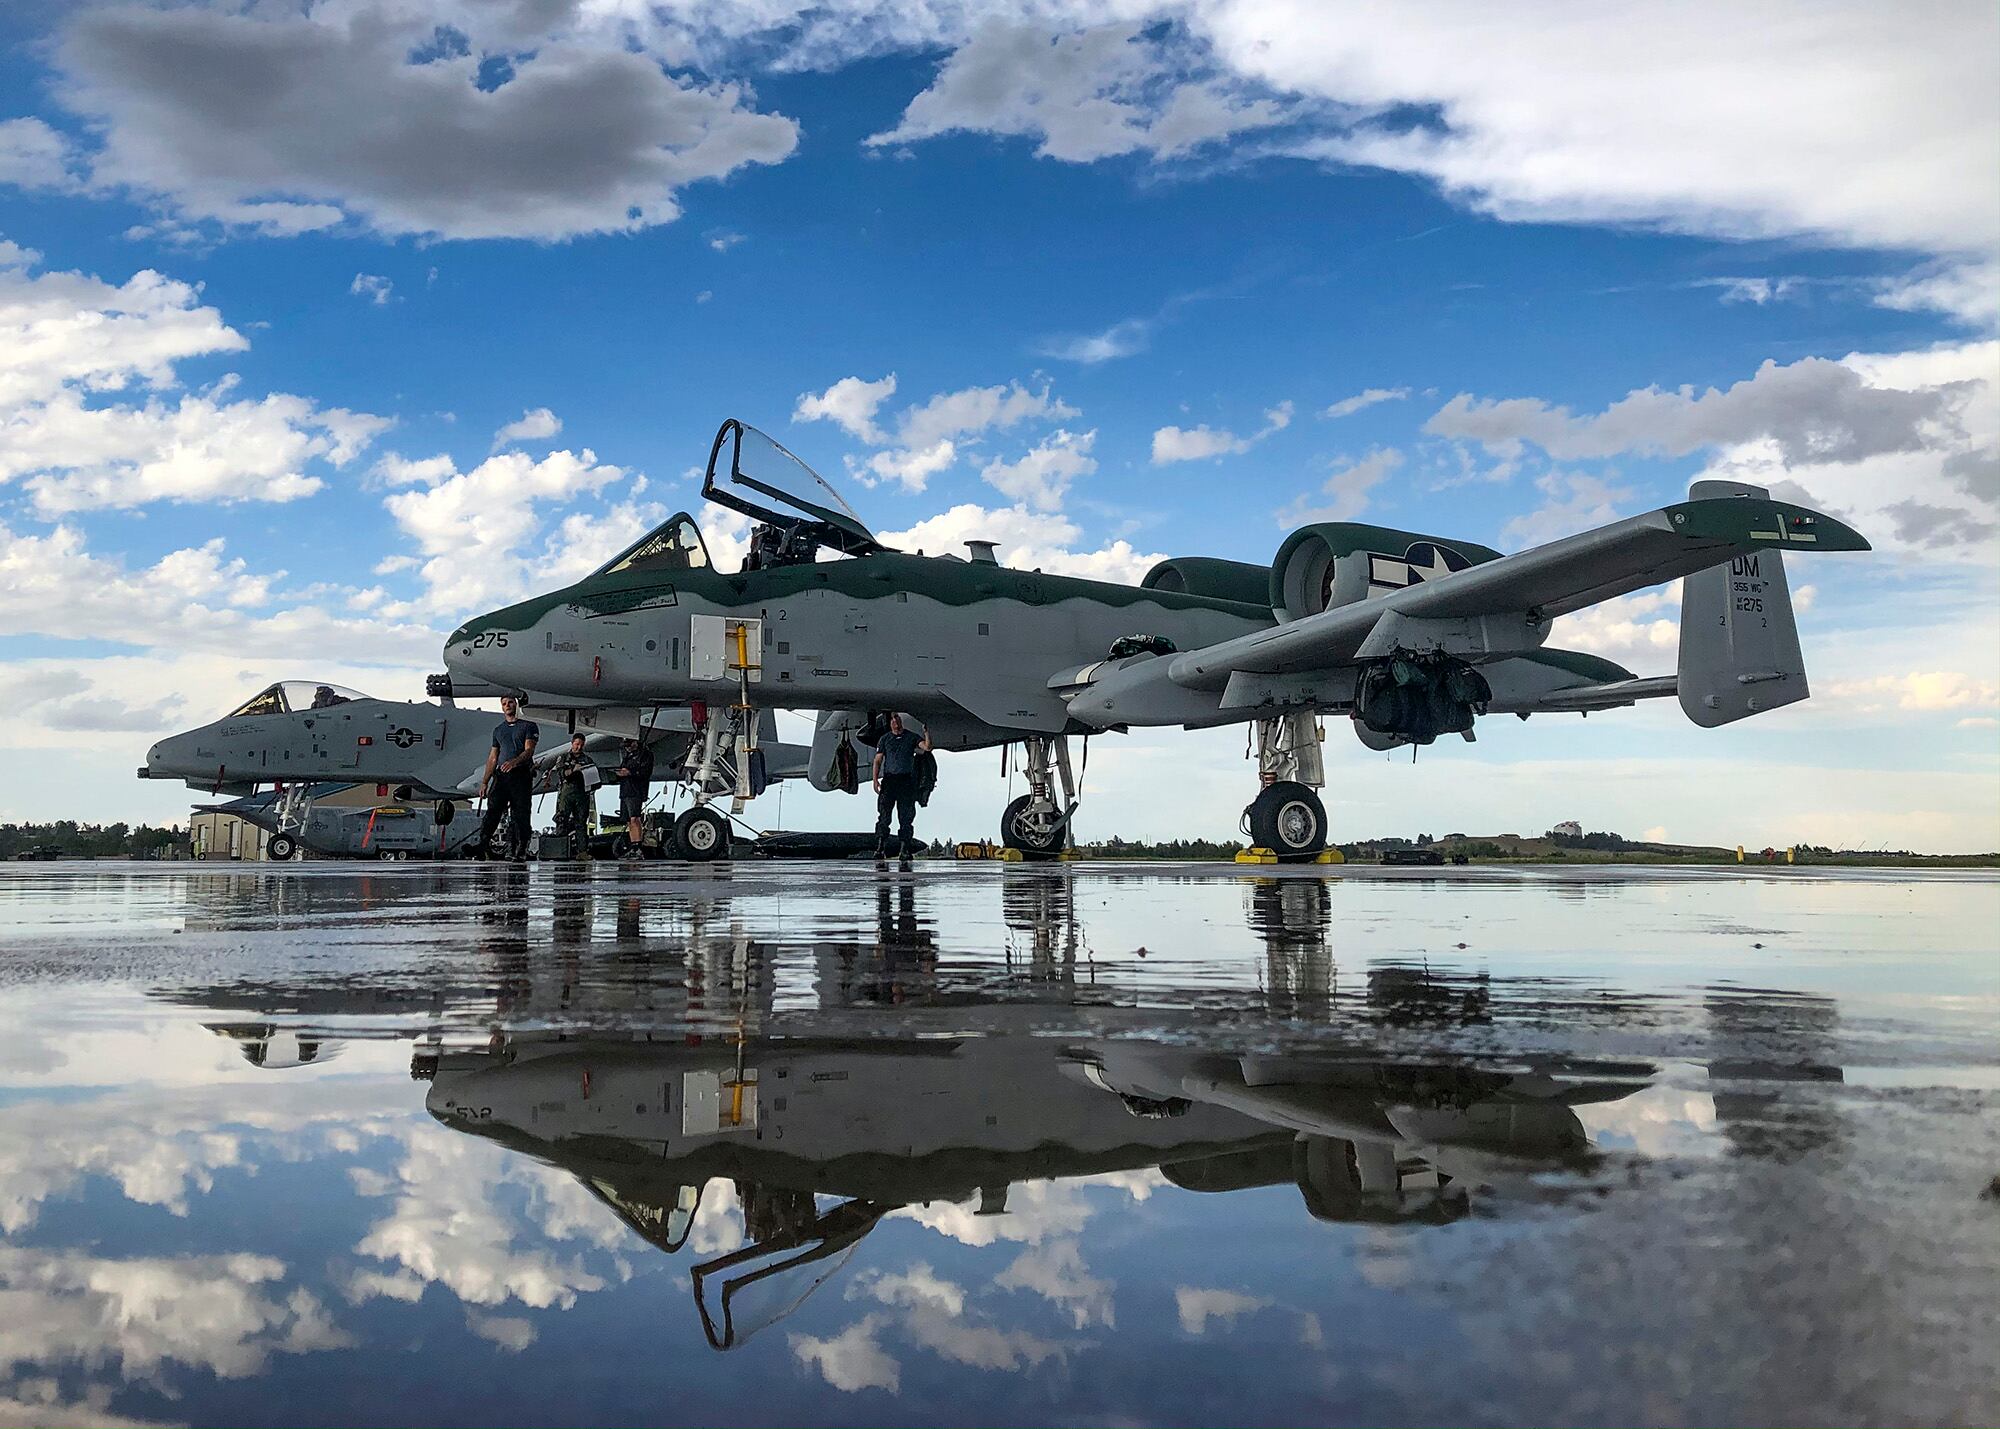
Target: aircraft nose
172	758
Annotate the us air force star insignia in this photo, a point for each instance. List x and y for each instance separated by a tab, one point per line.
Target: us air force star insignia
403	738
1424	561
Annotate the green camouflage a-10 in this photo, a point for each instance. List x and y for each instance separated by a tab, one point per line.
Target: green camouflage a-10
1407	635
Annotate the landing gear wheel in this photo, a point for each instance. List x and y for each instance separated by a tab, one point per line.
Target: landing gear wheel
281	847
702	834
1289	820
1040	832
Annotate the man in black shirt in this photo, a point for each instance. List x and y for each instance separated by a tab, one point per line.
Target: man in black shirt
896	785
635	778
510	774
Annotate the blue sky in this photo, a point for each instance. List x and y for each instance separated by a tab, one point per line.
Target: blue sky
281	275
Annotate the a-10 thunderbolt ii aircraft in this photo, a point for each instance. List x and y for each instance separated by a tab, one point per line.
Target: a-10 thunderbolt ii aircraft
306	735
1406	635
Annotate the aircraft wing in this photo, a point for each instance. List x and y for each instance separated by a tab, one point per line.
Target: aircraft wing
1536	585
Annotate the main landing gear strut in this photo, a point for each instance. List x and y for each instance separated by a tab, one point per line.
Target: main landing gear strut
1038	822
1287	817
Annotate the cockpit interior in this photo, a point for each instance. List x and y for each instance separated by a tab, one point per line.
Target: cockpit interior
293	696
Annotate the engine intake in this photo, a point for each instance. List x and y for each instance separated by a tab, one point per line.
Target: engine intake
1210	578
1339	562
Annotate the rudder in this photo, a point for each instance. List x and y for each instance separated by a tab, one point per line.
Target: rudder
1739	651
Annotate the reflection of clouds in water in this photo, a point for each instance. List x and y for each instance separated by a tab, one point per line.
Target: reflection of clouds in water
718	1220
223	1313
1056	1272
1658	1120
930	1312
1036	1210
510	1332
451	1223
1196	1306
160	1145
853	1359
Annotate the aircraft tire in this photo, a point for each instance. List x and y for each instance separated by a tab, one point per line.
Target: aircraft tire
1028	838
1288	819
281	847
702	834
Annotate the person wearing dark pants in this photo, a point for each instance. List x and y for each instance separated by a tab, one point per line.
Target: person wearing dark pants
510	778
896	786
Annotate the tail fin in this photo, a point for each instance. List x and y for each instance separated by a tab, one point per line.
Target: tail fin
1739	644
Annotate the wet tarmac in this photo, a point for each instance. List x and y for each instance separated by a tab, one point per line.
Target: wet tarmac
994	1144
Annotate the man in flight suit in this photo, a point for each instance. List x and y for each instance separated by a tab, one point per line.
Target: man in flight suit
510	775
896	785
575	779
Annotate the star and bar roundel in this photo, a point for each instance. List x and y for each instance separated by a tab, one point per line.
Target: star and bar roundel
1423	561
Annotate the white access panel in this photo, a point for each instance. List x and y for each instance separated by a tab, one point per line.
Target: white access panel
709	1104
712	646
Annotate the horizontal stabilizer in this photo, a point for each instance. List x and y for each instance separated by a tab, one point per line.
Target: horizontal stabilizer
1607	696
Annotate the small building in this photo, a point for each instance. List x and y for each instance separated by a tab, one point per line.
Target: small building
1567	829
222	837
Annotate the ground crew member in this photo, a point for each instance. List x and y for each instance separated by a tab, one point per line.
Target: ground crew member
896	785
510	775
635	776
574	797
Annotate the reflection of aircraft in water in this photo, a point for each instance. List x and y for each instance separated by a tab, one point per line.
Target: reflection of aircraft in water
883	1124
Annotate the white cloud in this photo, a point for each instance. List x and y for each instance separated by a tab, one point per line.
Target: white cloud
190	600
1348	406
67	338
1814	410
586	135
973	410
1040	479
472	526
722	240
1921	691
1172	444
1759	291
1572	501
1121	339
1867	130
34	156
1028	540
851	404
1056	1272
910	468
918	1288
1346	493
372	286
536	425
1081	94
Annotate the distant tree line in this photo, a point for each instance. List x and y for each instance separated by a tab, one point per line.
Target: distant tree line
74	840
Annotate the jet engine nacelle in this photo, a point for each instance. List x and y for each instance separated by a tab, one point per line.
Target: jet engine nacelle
1339	562
1376	740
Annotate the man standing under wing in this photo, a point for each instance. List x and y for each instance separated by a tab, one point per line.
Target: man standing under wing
510	774
896	785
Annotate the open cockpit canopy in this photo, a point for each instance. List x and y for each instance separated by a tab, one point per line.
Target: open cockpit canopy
674	545
293	696
747	470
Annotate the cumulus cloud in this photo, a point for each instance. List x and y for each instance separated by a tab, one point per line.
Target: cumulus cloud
1815	410
929	436
1572	501
472	526
67	338
852	1360
1551	112
287	121
1348	406
373	287
850	404
1346	493
1172	444
1081	94
193	599
34	156
537	425
1028	540
1040	479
